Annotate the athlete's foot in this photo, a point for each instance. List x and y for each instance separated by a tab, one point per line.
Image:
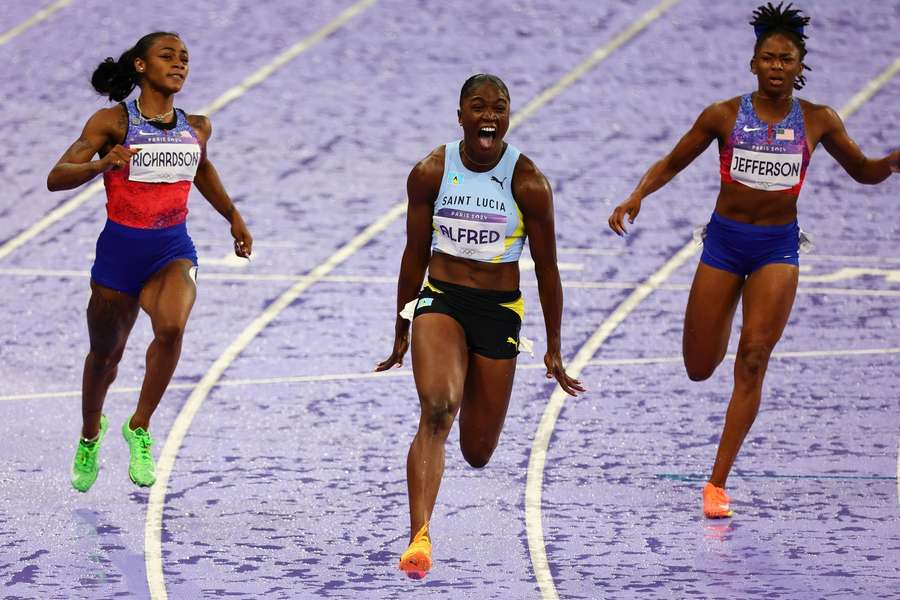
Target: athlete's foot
141	469
416	561
716	503
86	466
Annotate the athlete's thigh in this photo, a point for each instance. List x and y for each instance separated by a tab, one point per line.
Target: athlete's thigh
708	317
110	316
439	358
488	388
768	299
169	294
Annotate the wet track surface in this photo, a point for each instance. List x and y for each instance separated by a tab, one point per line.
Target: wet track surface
296	488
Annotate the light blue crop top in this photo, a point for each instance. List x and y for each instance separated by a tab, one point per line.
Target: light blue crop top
475	215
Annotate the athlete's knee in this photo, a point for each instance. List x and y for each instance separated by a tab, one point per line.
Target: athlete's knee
102	362
753	358
169	334
438	412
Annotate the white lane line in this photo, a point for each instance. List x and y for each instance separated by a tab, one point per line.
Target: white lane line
870	89
153	526
175	437
67	207
593	60
36	18
538	458
294	379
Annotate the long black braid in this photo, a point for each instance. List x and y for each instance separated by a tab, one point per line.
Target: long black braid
769	20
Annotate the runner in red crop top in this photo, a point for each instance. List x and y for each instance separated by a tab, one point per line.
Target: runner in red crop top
149	154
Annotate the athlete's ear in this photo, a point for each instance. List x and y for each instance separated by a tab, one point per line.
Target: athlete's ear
139	65
753	65
459	115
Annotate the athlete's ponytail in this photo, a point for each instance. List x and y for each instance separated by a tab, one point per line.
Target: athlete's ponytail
117	78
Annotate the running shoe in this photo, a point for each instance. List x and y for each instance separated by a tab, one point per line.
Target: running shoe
86	466
716	503
141	469
416	561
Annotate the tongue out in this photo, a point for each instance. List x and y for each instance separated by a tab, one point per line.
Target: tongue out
486	137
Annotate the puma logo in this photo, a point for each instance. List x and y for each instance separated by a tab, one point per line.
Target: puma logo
498	181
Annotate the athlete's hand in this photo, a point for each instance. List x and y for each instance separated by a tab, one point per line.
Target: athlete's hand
554	365
630	207
243	241
401	344
118	157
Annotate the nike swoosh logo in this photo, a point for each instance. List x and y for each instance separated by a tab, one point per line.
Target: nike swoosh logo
749	129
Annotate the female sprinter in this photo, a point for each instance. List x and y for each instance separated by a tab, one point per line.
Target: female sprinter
472	203
149	153
751	245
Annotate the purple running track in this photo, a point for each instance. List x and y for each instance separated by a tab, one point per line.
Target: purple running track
287	489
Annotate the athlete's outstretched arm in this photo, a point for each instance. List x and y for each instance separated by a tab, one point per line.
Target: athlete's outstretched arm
422	187
535	199
841	146
75	167
210	185
689	147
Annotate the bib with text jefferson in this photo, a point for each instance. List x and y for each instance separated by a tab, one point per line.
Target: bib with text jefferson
763	156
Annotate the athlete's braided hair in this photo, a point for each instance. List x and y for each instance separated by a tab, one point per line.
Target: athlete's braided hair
117	78
476	80
769	20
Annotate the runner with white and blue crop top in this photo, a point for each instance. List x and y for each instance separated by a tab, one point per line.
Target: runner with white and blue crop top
472	203
149	154
751	244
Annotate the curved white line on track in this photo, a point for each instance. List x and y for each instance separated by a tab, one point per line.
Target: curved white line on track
153	526
156	501
230	95
36	18
538	459
293	379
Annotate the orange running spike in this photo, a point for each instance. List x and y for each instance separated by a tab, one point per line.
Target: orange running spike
716	503
416	561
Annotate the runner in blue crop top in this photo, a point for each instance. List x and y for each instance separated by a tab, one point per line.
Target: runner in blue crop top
750	249
471	205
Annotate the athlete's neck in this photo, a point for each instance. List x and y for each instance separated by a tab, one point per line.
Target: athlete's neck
474	165
154	106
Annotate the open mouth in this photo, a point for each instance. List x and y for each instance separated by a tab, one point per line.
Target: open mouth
486	136
776	81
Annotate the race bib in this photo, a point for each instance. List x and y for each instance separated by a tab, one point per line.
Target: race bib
478	236
765	170
164	163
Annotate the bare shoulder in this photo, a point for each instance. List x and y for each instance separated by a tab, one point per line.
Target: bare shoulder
201	125
428	172
818	113
111	122
529	185
722	112
821	121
